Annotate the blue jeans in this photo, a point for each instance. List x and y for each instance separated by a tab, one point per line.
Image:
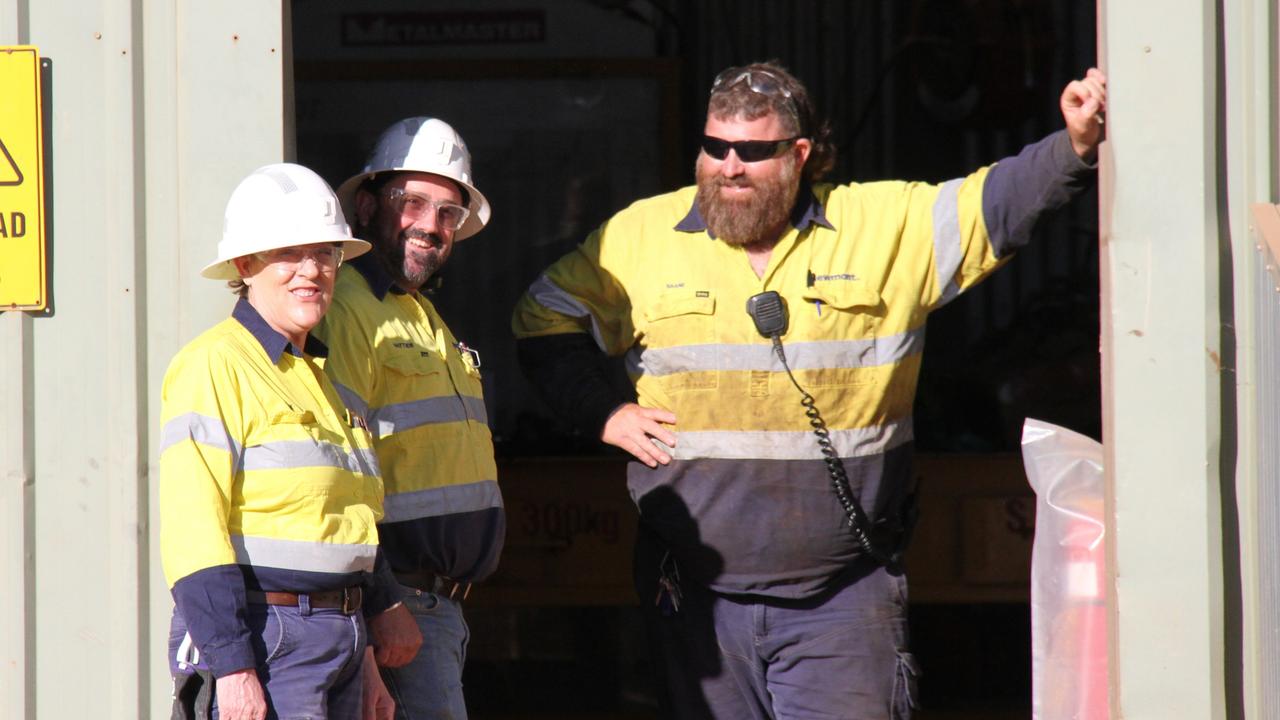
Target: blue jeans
836	657
308	660
430	686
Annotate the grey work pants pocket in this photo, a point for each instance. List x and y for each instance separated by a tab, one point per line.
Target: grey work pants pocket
905	679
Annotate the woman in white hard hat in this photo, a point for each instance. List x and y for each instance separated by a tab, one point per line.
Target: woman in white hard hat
269	488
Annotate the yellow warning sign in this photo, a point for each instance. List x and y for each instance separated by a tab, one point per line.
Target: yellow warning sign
23	276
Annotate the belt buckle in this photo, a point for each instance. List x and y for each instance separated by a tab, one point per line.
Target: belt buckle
351	597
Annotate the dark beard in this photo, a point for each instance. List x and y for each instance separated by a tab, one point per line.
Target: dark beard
749	221
406	274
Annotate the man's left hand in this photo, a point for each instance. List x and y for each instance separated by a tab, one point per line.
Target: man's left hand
1084	105
395	636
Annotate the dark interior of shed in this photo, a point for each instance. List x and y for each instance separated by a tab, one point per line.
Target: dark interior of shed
575	108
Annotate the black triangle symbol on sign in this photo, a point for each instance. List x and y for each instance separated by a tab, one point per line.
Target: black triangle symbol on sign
5	178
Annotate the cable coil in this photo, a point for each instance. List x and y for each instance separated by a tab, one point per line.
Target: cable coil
858	521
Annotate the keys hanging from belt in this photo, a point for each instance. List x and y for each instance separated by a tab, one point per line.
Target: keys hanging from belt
669	594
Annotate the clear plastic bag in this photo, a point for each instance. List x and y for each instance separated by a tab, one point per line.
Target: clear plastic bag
1069	578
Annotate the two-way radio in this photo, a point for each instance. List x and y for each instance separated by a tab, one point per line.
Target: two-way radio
769	312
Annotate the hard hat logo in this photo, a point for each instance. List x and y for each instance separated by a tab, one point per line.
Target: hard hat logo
278	206
427	145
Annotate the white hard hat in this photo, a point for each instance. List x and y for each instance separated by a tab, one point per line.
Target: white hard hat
276	206
429	145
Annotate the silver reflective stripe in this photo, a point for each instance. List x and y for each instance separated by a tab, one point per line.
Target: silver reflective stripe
352	400
200	429
818	355
294	454
946	239
298	555
475	409
432	502
391	419
788	445
550	296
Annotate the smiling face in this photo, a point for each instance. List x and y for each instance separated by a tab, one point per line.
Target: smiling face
291	295
749	203
411	249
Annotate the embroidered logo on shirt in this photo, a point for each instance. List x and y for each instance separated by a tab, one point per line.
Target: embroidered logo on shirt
838	276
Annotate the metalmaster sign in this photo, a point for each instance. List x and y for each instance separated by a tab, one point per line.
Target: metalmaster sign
23	277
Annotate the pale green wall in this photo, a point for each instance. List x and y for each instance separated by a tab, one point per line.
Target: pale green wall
158	109
1190	126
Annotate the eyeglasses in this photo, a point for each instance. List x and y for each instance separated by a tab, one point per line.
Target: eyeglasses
449	216
748	151
760	81
289	259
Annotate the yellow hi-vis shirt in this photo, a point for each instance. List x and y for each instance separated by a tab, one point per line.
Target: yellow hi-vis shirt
858	292
394	360
266	481
746	505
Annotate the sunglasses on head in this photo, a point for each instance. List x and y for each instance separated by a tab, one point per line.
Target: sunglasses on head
762	82
748	151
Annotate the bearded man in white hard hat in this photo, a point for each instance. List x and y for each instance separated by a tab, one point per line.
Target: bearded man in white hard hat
269	488
395	360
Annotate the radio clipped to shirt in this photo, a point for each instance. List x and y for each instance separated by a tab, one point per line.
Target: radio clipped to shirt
769	313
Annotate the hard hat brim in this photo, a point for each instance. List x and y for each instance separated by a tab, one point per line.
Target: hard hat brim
224	269
477	203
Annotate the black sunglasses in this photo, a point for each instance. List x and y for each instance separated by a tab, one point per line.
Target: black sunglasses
748	151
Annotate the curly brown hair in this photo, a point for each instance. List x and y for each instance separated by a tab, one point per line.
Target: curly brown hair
738	93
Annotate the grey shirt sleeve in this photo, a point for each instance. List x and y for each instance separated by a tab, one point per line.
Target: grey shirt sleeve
1020	189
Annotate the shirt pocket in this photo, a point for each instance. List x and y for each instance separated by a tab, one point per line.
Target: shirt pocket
293	459
680	335
419	393
845	318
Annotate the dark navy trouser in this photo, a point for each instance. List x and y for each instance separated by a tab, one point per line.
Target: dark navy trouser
843	655
309	660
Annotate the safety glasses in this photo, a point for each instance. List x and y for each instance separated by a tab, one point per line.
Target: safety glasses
760	81
289	259
748	151
449	216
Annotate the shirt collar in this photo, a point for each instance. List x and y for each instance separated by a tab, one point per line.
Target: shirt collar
271	340
807	211
380	281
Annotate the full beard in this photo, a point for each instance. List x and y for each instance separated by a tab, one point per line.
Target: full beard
413	266
753	220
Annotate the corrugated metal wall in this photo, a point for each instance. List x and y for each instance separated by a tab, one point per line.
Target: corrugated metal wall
1266	625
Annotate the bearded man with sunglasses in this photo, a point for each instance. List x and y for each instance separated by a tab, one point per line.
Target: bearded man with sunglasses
395	361
767	596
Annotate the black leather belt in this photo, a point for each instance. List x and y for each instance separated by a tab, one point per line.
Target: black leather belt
428	581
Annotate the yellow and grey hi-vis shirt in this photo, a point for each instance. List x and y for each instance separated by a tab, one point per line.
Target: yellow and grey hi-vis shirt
746	505
393	359
266	482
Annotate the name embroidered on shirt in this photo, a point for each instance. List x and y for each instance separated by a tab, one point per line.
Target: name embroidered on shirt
837	276
673	286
